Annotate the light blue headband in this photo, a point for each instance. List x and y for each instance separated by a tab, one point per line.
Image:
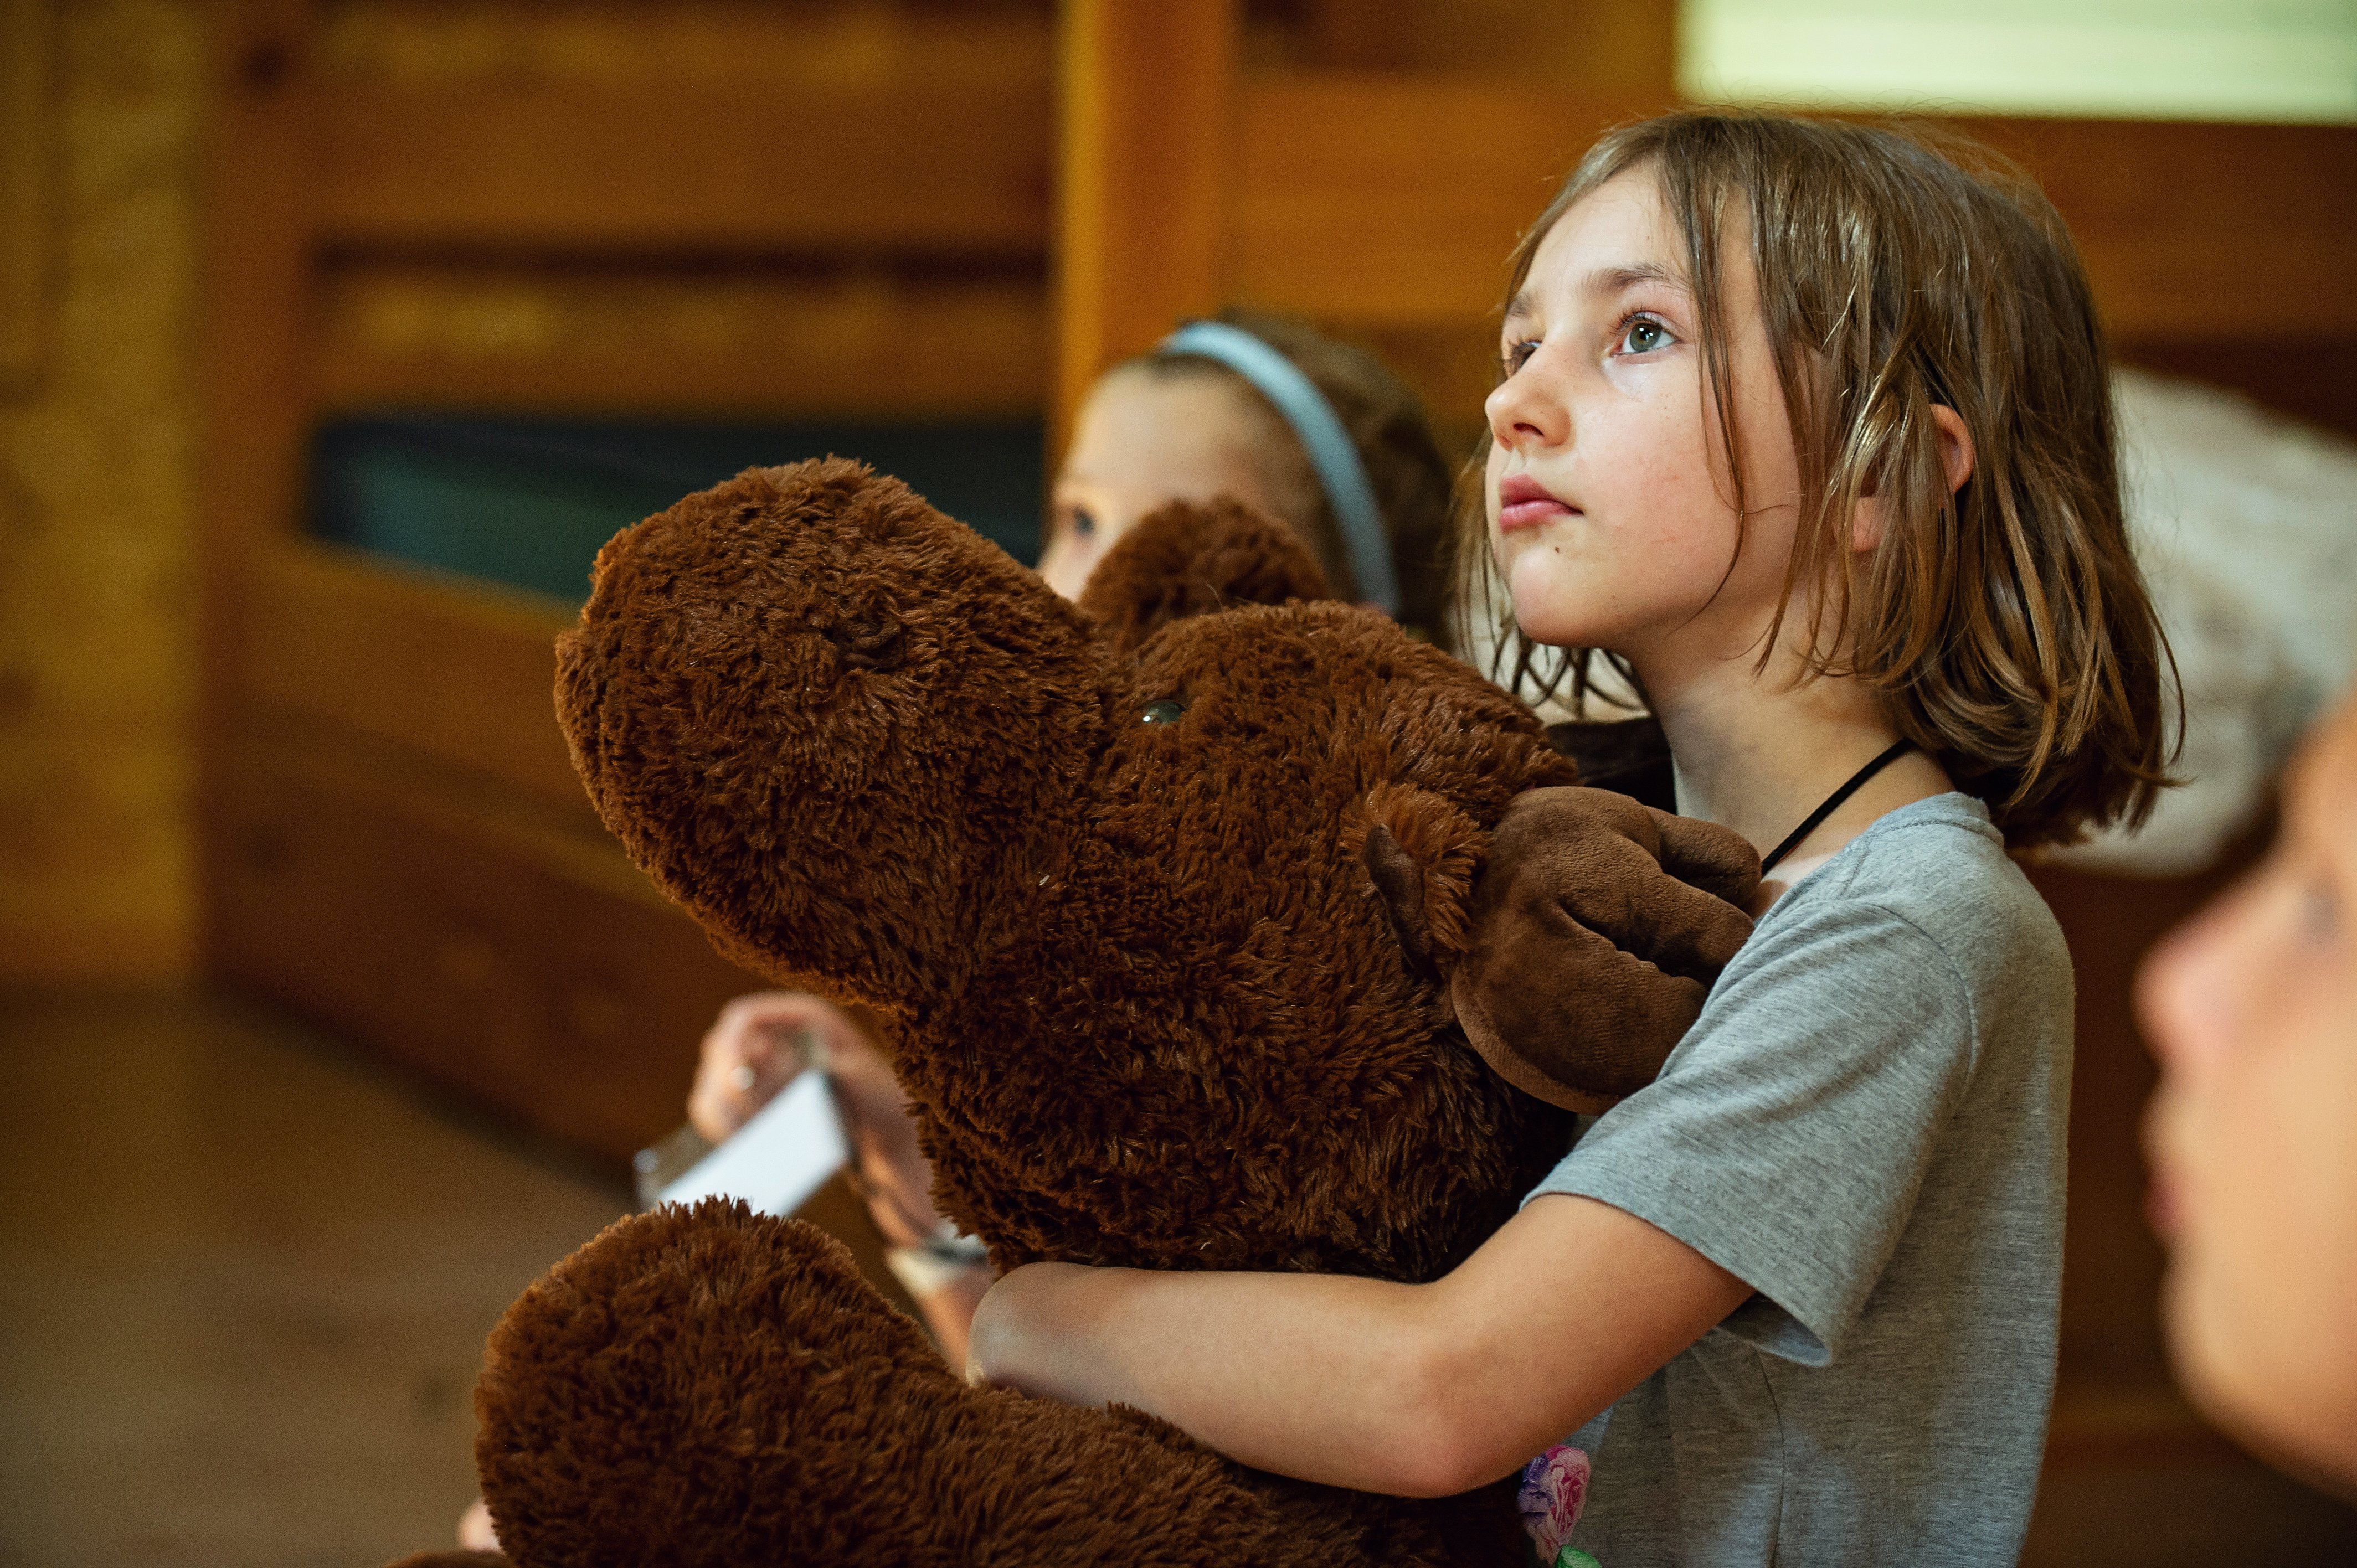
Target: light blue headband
1332	454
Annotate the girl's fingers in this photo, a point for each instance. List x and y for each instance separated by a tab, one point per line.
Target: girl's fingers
475	1530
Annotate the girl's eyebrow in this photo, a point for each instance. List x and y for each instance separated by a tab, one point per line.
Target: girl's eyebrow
1605	282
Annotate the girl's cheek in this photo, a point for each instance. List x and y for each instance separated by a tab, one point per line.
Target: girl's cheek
2194	990
1066	563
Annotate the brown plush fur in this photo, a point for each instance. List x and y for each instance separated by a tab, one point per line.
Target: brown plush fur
1184	561
878	758
1587	967
731	1391
1161	906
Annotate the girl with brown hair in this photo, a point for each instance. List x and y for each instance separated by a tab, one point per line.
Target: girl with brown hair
1806	426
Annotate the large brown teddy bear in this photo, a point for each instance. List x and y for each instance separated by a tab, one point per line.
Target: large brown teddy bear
1162	896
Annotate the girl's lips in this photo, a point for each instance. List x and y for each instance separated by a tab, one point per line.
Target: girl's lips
1523	502
2164	1193
2161	1207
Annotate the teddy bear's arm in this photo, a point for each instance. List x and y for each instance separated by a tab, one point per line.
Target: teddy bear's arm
716	1387
1597	926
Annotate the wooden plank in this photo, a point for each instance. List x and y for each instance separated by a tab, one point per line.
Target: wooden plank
869	343
1142	94
2179	223
2310	378
528	965
1392	202
461	671
905	165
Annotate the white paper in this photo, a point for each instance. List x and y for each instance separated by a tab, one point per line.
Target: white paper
779	1158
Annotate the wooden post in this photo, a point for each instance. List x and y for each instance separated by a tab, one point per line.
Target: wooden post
26	303
257	271
1143	90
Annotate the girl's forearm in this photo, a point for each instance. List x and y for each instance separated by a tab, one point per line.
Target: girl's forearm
1310	1375
1416	1389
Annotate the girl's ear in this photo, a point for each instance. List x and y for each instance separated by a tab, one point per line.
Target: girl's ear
1957	458
1420	853
1187	560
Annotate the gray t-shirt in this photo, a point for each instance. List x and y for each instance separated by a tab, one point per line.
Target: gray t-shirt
1866	1124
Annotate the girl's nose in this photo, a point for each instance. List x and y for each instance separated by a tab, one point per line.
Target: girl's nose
1524	411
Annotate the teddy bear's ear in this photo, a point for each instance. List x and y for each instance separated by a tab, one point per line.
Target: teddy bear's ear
1420	852
1189	560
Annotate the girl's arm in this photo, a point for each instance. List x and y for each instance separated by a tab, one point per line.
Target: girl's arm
1420	1391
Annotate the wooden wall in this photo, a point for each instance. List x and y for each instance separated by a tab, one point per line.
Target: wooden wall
702	209
100	105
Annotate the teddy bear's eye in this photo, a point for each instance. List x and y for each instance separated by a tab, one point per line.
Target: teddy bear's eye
1163	711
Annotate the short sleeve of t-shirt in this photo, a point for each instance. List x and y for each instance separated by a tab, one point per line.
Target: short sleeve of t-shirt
1788	1135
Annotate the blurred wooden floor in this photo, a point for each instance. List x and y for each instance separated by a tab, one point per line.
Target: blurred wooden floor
245	1276
245	1282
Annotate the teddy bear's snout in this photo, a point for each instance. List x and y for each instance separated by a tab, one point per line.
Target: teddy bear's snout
873	640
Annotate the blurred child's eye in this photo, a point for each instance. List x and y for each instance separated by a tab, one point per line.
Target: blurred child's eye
1643	335
1517	355
2319	911
1084	525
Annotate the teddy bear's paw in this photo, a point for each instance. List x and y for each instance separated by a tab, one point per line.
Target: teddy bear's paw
687	1373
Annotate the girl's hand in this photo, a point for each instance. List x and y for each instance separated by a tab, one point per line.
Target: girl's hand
758	1044
761	1042
475	1531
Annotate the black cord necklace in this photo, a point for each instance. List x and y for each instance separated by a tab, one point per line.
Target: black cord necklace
1833	803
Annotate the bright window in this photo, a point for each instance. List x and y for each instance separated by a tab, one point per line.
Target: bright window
2140	60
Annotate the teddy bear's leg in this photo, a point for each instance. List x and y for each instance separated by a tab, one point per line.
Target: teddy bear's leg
715	1387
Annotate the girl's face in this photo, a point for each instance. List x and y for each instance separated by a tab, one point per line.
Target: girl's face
1611	508
2252	1009
1143	441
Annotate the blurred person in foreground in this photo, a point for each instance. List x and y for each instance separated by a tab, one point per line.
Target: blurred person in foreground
2252	1009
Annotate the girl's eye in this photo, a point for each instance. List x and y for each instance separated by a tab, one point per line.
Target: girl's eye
1643	335
2319	911
1084	526
1517	355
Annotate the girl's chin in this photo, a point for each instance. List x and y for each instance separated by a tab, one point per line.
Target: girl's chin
1557	619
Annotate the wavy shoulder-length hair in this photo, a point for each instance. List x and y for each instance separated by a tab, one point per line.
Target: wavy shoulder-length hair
2007	625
